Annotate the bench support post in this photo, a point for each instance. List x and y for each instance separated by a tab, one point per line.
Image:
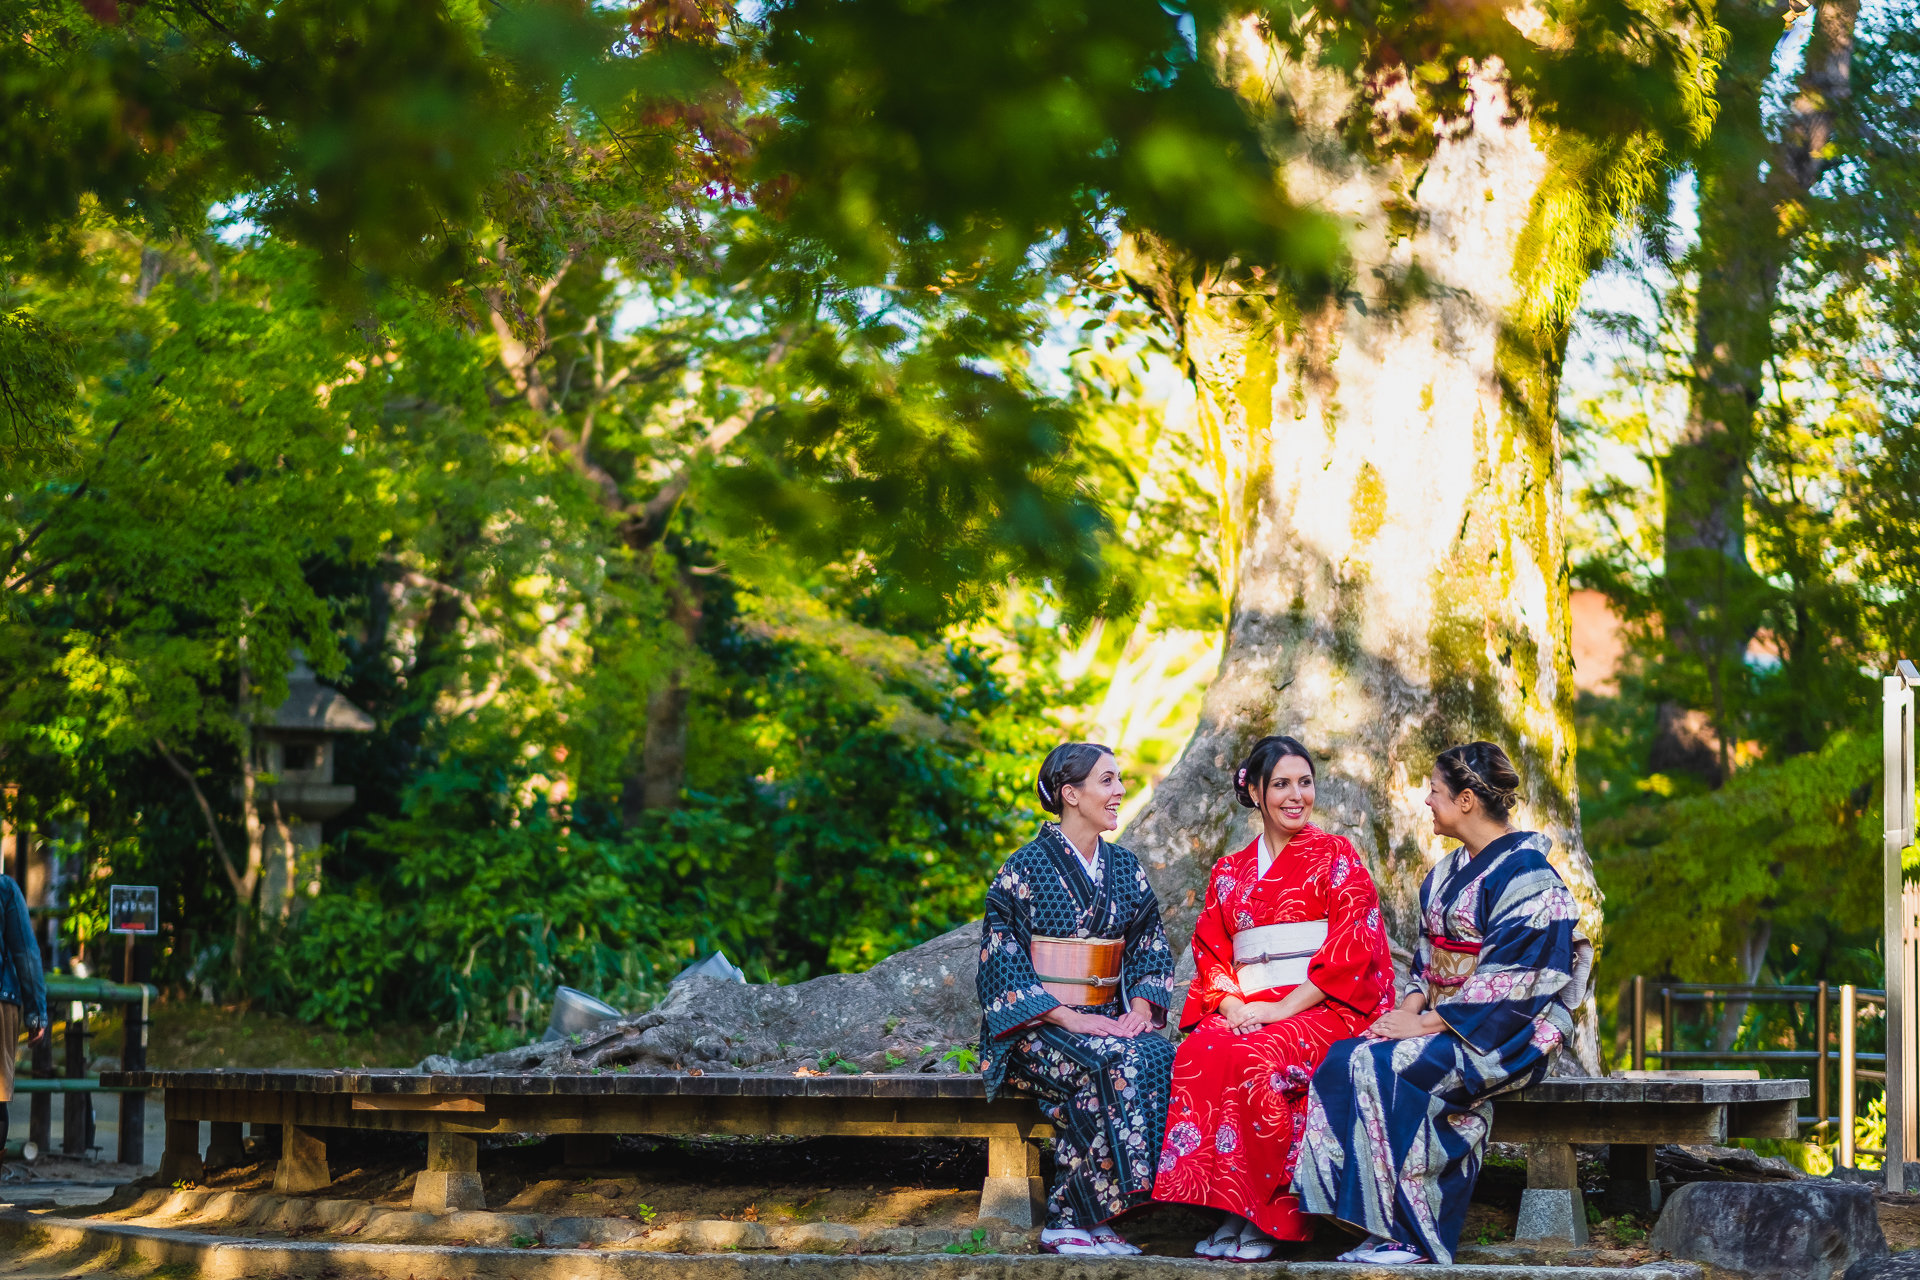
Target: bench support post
452	1177
303	1161
224	1146
1632	1181
180	1158
1551	1207
1013	1189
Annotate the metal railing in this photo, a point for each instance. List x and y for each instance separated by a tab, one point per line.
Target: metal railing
1826	1056
76	1136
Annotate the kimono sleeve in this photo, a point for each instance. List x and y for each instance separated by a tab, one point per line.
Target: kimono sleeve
1215	977
1526	962
1353	966
1011	997
1146	966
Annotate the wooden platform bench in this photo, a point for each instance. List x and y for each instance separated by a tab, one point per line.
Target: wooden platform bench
454	1111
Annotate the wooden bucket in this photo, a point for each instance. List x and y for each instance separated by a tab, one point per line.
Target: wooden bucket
1079	971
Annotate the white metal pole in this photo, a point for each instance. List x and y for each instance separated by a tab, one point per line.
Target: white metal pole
1897	807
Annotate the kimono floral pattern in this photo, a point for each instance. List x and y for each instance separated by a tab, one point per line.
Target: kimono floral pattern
1396	1129
1106	1095
1239	1101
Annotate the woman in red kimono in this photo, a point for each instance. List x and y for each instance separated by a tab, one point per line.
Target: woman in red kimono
1292	956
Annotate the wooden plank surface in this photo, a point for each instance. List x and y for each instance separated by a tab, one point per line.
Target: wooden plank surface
904	1085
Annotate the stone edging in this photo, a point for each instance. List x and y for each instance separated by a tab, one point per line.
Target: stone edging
209	1257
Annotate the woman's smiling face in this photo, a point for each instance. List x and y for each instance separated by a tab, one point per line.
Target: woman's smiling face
1097	799
1287	797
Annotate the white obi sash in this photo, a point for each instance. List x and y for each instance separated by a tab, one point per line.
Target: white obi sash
1276	955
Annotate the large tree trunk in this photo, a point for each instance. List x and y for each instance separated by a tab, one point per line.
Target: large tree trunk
1751	187
1390	475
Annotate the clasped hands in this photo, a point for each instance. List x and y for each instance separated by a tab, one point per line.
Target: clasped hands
1411	1019
1136	1021
1246	1016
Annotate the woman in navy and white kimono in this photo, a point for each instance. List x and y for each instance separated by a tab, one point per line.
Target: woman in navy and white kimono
1397	1120
1095	1065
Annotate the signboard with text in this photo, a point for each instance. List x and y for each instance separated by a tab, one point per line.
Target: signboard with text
133	908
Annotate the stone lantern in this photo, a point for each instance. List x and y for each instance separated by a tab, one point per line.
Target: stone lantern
296	747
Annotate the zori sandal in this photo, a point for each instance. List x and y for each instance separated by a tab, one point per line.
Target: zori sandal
1223	1241
1069	1240
1254	1245
1111	1241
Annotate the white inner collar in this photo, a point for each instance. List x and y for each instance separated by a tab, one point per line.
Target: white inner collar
1265	856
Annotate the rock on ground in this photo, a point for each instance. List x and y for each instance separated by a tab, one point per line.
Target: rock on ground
1898	1266
1810	1230
903	1014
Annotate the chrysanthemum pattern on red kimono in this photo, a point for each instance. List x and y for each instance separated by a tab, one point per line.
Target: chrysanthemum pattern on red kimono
1240	1100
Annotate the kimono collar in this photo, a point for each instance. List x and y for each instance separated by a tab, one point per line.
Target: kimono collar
1476	866
1293	845
1056	839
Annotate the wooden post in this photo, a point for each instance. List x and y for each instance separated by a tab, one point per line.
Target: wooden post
1821	1042
1551	1208
1897	807
303	1161
1013	1191
1846	1075
225	1147
76	1108
452	1177
180	1160
1639	1022
133	1103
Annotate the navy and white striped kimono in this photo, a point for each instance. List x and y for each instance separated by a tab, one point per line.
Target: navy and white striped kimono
1106	1095
1396	1128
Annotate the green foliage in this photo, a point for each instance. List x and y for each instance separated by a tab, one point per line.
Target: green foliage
1776	874
1687	876
961	1057
975	1244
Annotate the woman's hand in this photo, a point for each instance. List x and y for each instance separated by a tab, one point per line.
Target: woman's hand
1249	1016
1404	1024
1136	1021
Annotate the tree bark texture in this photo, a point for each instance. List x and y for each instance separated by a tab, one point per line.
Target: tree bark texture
1751	189
1389	471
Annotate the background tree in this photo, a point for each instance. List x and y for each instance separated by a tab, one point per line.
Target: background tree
1827	510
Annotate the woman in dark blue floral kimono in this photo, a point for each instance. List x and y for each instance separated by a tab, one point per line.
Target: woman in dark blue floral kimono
1076	1030
1397	1121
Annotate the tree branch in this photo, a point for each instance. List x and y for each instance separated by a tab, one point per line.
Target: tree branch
240	888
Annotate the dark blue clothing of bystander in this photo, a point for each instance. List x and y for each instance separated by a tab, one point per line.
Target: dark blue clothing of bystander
21	980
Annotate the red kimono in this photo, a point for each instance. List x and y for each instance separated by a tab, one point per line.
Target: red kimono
1239	1101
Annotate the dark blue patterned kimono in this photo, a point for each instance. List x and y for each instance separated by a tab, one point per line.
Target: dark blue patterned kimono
1106	1095
1396	1128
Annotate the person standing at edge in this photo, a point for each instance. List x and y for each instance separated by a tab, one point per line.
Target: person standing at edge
23	989
1290	956
1075	976
1397	1122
